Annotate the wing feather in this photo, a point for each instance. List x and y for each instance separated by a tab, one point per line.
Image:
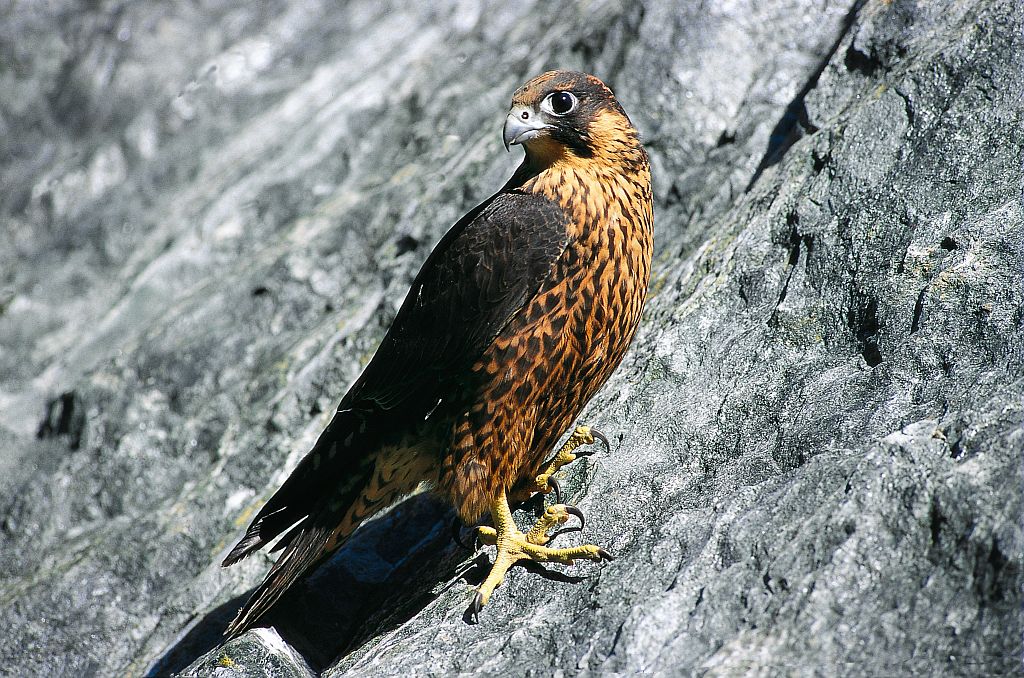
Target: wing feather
479	276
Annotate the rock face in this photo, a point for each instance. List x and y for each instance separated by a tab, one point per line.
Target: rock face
211	211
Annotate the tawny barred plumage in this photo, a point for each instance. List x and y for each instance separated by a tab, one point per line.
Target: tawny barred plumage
517	318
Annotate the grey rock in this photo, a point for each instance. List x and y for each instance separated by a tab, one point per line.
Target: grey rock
261	652
211	211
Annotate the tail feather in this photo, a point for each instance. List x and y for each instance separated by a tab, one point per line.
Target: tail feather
308	548
262	530
331	492
326	469
310	505
288	538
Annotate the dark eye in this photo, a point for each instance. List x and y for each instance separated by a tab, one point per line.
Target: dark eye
562	102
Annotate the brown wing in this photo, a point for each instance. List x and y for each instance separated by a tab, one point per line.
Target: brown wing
482	272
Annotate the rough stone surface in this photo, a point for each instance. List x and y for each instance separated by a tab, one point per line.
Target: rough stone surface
211	210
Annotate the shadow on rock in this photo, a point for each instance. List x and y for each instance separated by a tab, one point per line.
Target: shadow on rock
384	575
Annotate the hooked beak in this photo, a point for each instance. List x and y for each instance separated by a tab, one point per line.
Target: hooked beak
521	125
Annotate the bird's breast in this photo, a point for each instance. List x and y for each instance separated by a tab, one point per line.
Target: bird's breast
597	290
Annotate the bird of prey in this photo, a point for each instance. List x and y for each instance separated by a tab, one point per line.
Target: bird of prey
516	319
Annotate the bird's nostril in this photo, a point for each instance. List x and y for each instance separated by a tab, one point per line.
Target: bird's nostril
526	115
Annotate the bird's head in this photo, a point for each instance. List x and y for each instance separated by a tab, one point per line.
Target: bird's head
566	115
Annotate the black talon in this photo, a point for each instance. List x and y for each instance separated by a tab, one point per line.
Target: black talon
598	437
457	536
604	555
573	511
457	533
557	488
475	607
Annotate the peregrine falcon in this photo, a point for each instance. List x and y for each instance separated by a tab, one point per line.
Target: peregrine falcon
516	319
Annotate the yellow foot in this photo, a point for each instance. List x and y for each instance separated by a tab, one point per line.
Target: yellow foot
514	546
583	435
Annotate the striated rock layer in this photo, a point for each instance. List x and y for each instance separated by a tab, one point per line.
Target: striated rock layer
211	211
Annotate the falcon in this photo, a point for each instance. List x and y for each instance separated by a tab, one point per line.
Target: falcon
516	319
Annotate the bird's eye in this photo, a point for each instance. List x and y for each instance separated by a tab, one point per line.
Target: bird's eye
562	103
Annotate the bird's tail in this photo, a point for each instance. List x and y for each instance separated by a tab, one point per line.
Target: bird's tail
305	547
336	468
370	486
317	503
